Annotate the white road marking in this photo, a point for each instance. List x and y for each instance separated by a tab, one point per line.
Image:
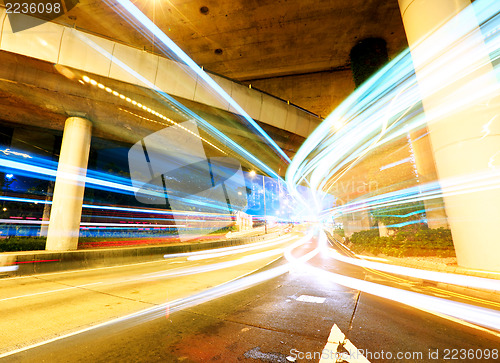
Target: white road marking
84	270
180	303
311	299
331	349
48	292
354	356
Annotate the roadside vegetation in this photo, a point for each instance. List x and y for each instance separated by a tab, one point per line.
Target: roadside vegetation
34	243
414	240
10	244
339	232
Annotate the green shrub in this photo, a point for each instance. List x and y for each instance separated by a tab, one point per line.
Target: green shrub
364	237
226	229
413	240
399	214
339	231
22	244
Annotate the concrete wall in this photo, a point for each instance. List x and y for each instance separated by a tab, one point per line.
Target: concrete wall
36	262
319	92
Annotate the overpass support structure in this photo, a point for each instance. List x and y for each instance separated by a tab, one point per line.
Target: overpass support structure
66	211
458	88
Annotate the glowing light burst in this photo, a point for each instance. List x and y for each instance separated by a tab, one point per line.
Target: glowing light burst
386	108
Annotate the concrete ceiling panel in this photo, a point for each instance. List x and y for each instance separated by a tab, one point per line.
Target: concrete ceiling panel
41	42
274	111
176	78
139	62
207	95
255	39
85	51
248	99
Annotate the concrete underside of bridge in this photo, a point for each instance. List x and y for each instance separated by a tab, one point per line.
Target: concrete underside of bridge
37	95
295	50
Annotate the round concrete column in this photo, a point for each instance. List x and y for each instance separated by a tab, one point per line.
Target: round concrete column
66	211
460	97
426	168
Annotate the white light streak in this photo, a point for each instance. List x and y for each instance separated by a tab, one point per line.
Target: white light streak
448	278
477	315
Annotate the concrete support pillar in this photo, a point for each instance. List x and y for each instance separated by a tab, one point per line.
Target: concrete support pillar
44	228
66	211
460	97
426	168
356	222
382	230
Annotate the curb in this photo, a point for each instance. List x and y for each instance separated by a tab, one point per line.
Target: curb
488	295
39	262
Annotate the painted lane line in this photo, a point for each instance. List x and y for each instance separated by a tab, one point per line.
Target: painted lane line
335	338
196	268
215	266
84	270
115	267
49	292
355	355
171	273
237	284
234	285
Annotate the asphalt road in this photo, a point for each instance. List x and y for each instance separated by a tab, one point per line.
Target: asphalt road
279	313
